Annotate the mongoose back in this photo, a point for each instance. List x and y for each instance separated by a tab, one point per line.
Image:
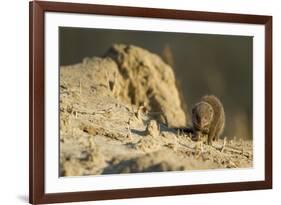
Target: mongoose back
208	118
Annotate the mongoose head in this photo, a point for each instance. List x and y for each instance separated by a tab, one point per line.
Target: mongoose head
202	115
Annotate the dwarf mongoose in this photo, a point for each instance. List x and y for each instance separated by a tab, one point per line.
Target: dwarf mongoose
208	118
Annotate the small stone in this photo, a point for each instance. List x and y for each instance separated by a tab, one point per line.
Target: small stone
152	128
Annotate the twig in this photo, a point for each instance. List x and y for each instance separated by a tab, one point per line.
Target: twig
224	144
80	87
178	133
228	148
201	149
129	129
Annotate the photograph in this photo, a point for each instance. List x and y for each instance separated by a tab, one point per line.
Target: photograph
136	101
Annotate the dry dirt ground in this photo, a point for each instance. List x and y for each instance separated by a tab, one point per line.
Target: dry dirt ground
118	113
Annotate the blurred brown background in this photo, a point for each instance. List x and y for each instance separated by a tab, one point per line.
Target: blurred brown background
203	64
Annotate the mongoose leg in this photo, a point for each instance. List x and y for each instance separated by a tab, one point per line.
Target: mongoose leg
197	136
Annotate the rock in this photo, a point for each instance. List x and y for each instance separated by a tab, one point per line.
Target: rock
148	80
152	128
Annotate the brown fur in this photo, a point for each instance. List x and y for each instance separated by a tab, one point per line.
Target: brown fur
208	118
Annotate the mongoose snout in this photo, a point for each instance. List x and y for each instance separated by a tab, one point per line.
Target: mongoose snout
202	115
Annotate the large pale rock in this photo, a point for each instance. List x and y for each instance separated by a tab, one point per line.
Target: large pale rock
148	80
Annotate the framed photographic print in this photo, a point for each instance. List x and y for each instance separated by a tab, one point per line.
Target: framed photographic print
139	102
